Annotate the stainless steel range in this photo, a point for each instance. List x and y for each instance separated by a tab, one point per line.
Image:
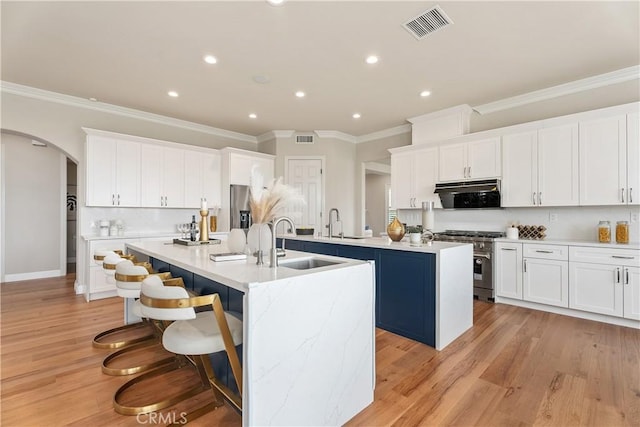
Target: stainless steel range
482	257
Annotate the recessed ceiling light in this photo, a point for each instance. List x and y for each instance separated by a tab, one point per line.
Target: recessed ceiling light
372	59
425	93
172	93
210	59
300	94
261	78
356	115
93	99
253	116
275	2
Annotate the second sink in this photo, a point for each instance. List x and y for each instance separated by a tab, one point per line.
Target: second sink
307	263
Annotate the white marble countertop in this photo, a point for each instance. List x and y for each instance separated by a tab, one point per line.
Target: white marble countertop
240	275
378	242
570	242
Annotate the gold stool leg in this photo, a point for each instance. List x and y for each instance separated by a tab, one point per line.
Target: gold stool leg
98	343
123	409
106	369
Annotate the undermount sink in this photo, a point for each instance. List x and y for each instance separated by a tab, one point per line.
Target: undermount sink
307	263
355	237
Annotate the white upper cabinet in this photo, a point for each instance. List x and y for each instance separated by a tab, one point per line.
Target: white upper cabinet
202	179
240	166
540	167
113	172
603	161
413	178
163	176
470	160
633	159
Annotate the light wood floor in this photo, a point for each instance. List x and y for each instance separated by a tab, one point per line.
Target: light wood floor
514	367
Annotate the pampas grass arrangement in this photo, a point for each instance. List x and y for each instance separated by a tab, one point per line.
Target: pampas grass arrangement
270	202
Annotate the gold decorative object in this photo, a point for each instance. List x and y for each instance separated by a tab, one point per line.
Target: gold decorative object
213	223
204	227
395	230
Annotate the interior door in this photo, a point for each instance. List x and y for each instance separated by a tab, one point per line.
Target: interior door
305	175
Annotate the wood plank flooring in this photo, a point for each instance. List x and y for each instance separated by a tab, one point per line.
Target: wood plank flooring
515	367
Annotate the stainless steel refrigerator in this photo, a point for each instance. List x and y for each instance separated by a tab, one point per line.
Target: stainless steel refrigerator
240	212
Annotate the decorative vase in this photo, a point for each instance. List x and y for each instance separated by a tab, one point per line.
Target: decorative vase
395	230
259	237
237	240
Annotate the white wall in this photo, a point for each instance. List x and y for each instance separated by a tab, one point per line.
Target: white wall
579	223
33	209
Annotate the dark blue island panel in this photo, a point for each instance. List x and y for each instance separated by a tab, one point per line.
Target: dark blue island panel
405	286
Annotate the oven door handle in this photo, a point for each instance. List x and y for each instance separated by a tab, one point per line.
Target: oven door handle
479	255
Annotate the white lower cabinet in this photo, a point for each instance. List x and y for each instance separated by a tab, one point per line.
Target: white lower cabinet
546	281
605	281
532	272
508	274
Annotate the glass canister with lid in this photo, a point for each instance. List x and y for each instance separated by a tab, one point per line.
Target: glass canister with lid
622	232
604	232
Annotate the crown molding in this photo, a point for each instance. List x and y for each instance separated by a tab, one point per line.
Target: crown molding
74	101
463	110
336	135
385	133
602	80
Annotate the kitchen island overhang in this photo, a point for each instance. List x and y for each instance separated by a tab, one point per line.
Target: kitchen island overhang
309	335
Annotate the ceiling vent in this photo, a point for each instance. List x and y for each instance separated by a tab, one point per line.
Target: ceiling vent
304	139
429	22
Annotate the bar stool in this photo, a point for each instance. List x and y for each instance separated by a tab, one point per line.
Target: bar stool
129	277
194	336
109	262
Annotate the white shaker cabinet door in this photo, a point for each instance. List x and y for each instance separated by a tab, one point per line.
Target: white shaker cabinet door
603	161
212	179
508	274
101	171
453	162
402	180
633	159
596	288
519	169
546	281
152	176
558	174
127	174
483	159
173	183
425	176
632	293
193	179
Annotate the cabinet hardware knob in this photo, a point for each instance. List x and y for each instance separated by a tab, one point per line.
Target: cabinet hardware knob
524	265
626	276
508	249
540	198
622	194
617	275
118	200
622	257
113	199
630	195
469	171
533	198
544	252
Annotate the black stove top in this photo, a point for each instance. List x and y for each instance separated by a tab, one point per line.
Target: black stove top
471	233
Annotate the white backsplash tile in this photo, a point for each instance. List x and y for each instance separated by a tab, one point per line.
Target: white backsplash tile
578	223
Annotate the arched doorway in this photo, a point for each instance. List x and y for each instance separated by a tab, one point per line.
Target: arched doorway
33	212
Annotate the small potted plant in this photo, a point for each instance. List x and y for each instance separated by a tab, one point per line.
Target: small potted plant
415	234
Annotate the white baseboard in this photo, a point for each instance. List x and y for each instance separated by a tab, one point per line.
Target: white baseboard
31	276
570	312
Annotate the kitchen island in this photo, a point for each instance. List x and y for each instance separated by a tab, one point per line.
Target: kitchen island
309	337
423	292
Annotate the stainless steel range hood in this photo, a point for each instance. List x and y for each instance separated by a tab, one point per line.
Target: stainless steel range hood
469	194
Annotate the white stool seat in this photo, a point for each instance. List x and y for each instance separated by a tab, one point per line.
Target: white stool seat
200	335
130	288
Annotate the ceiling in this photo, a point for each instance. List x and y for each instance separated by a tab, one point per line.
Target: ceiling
132	53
